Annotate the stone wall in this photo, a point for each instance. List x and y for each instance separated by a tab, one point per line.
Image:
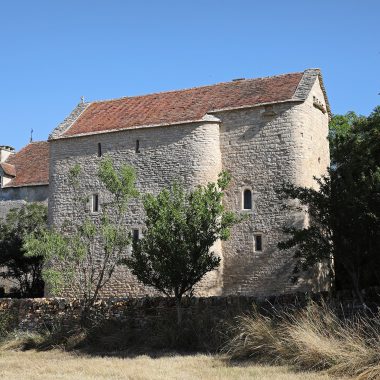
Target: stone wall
42	313
262	147
187	153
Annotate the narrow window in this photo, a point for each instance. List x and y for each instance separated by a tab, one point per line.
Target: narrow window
95	203
137	146
135	234
258	243
247	199
135	239
99	150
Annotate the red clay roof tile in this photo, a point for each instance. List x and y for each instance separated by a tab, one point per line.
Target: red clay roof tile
32	165
8	169
183	105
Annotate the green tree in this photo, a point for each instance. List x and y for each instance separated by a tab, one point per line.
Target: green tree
345	210
81	256
17	267
175	253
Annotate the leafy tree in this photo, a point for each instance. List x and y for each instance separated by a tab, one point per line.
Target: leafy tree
345	210
82	255
174	253
17	267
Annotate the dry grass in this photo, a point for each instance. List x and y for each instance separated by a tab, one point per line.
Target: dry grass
312	339
32	365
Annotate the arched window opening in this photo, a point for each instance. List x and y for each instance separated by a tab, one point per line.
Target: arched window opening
247	199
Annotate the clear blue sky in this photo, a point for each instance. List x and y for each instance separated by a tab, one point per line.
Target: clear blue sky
52	52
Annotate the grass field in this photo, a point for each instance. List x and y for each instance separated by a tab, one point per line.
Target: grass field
59	365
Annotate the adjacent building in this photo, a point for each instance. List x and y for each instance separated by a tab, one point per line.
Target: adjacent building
24	175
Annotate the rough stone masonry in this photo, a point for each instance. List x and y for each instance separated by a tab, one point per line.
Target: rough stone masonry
265	131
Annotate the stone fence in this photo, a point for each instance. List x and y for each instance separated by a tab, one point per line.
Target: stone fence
41	313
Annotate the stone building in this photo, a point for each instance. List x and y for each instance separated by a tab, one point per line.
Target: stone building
265	131
24	176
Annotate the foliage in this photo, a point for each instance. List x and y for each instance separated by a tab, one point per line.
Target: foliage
8	321
313	338
345	209
181	227
83	253
22	270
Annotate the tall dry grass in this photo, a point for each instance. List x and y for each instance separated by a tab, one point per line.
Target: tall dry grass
313	338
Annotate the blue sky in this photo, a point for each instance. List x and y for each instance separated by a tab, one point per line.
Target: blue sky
53	52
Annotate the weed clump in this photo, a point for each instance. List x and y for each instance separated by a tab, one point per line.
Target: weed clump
313	338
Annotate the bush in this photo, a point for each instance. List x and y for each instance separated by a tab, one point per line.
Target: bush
314	338
7	323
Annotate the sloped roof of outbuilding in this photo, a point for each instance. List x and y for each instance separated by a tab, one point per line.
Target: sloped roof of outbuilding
183	106
8	169
30	165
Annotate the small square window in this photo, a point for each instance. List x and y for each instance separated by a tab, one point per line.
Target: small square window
95	203
258	242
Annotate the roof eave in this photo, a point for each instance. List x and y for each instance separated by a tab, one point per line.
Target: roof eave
206	119
10	185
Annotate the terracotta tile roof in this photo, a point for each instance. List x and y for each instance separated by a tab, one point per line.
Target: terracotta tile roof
8	169
181	106
31	164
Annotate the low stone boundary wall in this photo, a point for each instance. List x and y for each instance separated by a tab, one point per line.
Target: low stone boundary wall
41	313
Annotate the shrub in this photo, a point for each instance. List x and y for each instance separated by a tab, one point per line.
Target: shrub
314	338
7	323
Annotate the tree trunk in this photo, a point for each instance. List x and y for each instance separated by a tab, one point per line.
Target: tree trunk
85	317
179	310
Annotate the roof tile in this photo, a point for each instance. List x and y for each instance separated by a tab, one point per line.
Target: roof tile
8	169
31	164
182	105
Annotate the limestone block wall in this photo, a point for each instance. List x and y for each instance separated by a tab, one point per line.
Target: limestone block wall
311	137
264	147
188	153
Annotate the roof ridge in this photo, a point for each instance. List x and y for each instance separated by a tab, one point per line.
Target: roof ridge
25	146
37	142
195	87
